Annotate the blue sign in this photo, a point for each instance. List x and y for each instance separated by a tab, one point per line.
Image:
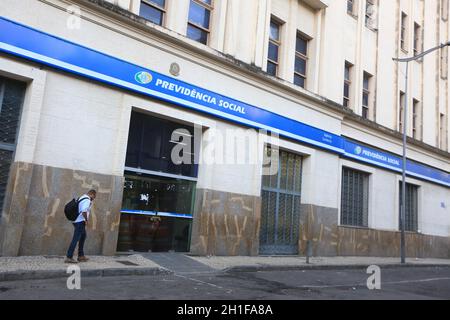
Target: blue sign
43	48
392	162
32	44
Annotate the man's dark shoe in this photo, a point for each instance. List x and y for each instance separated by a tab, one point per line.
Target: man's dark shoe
83	259
70	260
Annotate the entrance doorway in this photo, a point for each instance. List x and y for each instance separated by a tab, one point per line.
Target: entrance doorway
280	211
158	195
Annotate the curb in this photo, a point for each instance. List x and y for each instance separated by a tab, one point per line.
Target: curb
310	267
54	274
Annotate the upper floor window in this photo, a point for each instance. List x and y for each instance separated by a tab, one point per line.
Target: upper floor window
153	10
347	84
199	20
366	95
417	38
351	7
301	59
444	62
370	8
404	31
444	9
274	47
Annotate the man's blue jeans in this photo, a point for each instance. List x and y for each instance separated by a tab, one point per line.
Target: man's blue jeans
79	236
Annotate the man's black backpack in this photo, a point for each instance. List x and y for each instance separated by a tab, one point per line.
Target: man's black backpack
71	209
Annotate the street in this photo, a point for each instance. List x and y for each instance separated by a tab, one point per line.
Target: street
396	283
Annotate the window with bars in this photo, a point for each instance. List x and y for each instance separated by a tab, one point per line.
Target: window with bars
153	10
274	47
301	60
281	204
199	24
354	198
412	207
12	94
347	84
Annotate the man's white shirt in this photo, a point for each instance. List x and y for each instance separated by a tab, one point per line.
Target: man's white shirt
84	205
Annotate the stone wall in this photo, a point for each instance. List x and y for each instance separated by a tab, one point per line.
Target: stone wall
225	224
320	226
33	220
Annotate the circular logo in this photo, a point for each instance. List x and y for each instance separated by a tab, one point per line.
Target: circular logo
175	69
358	150
143	77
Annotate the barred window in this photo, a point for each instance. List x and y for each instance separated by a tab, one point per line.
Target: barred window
11	98
412	204
354	198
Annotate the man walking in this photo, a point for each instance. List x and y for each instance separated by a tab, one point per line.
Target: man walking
79	235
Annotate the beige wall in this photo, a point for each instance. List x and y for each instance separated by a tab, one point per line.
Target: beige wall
240	29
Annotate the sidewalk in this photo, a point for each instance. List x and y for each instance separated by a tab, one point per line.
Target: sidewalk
44	267
289	263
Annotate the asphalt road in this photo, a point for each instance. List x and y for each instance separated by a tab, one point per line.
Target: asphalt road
396	283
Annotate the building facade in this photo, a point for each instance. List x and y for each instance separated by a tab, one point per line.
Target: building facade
284	118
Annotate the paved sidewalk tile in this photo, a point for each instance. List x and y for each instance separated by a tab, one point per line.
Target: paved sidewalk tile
179	263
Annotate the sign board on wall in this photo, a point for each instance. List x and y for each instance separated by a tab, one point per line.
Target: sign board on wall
35	45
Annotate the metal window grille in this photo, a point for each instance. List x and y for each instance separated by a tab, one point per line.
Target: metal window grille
11	98
354	198
281	200
412	205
